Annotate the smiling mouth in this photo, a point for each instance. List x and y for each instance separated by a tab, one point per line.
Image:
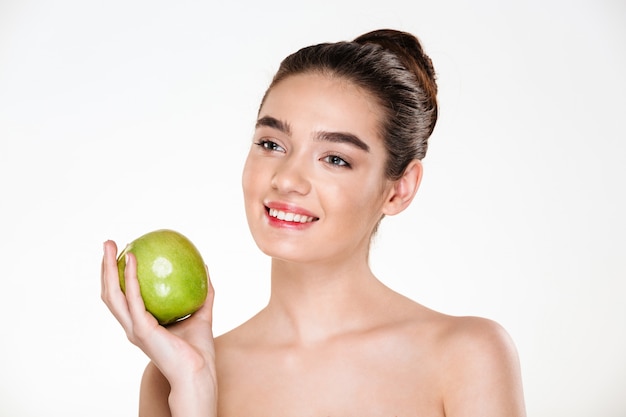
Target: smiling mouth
290	217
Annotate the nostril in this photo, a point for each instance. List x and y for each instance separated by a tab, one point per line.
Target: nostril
290	179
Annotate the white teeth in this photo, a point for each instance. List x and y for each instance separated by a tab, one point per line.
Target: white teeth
290	217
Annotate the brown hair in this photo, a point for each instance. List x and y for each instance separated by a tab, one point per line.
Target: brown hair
393	68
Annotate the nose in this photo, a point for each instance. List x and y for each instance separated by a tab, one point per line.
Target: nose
291	176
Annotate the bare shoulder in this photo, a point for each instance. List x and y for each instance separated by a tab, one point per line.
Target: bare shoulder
247	333
459	338
472	360
482	371
477	337
233	347
154	393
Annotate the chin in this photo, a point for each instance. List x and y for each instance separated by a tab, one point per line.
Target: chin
285	252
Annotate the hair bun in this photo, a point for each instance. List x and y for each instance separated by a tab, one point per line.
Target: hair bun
409	50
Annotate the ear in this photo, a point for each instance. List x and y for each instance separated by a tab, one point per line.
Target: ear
404	189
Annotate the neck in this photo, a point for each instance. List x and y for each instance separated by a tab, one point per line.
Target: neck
315	302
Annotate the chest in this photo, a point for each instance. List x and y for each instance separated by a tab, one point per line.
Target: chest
337	381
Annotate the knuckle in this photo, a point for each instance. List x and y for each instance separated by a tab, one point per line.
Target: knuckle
138	335
132	338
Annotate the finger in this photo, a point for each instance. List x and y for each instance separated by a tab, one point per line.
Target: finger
109	266
136	304
109	248
144	323
112	294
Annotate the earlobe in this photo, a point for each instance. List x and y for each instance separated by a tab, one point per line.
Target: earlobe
404	189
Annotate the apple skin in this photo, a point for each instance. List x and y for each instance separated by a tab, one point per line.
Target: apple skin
171	273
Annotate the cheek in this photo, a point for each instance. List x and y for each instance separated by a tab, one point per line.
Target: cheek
367	201
247	177
250	188
358	202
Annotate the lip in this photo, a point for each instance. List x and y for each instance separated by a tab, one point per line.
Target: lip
289	208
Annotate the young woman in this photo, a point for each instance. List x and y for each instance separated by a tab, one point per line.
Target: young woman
338	142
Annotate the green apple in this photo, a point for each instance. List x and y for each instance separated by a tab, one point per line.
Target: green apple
171	274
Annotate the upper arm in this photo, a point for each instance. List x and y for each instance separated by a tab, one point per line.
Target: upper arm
154	393
483	376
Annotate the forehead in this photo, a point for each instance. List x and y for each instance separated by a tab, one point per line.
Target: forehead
323	102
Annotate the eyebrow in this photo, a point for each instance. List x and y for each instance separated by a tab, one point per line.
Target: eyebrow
272	122
342	137
335	137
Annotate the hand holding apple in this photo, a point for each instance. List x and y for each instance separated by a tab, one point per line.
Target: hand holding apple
171	273
184	354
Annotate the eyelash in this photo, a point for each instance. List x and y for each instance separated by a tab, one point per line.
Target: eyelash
268	145
335	161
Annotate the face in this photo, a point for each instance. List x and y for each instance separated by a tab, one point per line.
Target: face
314	183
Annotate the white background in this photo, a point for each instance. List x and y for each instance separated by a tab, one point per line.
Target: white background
121	117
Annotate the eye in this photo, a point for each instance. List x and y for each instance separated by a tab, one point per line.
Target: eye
269	145
336	161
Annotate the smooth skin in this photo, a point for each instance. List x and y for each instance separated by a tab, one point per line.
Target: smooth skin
333	340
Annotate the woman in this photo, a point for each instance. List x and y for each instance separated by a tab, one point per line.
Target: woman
338	142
